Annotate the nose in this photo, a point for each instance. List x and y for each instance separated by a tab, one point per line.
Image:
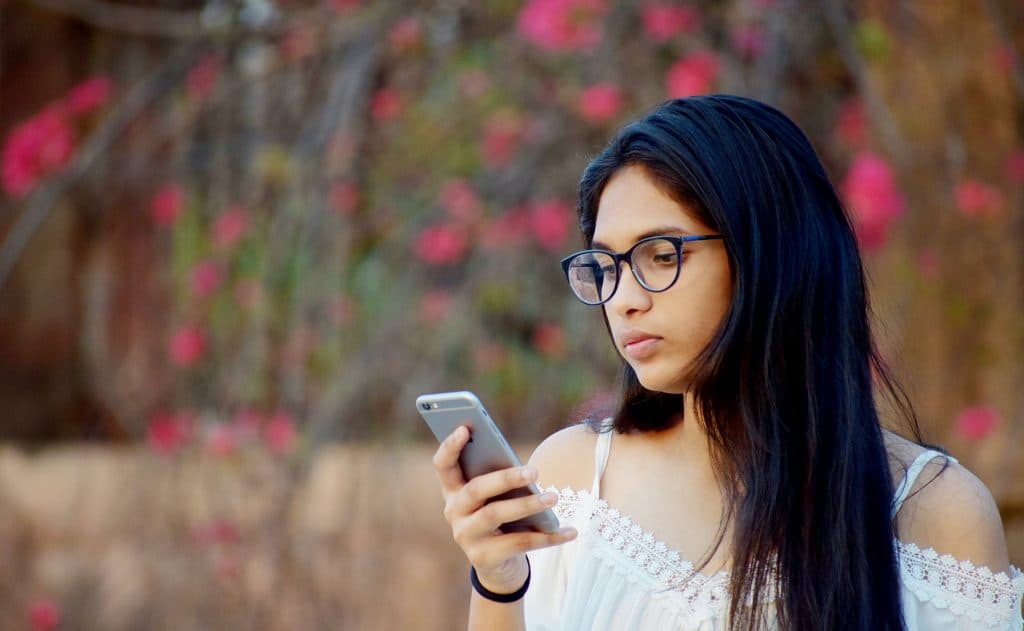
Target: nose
630	297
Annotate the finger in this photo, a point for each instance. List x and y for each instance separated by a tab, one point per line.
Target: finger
477	491
490	516
501	547
446	460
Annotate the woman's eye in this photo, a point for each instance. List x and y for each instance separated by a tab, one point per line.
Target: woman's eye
665	258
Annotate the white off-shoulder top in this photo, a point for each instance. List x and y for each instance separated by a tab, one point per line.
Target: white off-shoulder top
616	576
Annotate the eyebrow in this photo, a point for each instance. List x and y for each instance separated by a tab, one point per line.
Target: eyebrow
655	232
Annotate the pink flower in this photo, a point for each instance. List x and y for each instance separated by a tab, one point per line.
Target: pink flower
167	432
88	95
202	78
975	423
550	222
219	531
1015	167
343	198
662	22
43	615
406	34
435	305
562	25
186	346
167	204
852	124
503	132
440	245
975	198
459	200
507	229
749	40
229	228
600	103
246	425
206	278
385	105
693	75
549	340
36	148
873	199
279	433
299	42
221	440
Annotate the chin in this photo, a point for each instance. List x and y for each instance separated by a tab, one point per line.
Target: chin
658	381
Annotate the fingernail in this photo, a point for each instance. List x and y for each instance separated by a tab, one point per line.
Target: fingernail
549	498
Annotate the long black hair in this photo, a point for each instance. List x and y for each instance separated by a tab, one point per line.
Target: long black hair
784	389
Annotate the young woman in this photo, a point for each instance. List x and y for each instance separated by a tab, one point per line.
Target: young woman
745	480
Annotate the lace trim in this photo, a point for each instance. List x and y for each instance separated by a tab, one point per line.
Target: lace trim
944	581
960	586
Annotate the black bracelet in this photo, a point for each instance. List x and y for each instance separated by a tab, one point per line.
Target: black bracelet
499	598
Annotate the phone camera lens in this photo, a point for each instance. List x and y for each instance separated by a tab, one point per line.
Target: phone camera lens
425	406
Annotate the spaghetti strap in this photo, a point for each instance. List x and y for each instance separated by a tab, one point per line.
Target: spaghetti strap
604	443
914	470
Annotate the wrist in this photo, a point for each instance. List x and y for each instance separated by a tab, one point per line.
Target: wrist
504	589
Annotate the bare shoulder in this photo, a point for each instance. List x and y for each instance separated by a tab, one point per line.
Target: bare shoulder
566	458
951	511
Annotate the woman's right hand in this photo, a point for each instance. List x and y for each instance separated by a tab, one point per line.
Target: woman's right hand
499	558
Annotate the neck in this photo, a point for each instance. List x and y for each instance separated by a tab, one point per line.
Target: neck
685	443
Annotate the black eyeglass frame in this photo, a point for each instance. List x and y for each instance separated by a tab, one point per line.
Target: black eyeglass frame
627	256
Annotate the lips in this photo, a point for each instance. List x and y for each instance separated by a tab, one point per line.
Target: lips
639	345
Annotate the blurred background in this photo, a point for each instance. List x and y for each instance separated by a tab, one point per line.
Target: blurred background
238	237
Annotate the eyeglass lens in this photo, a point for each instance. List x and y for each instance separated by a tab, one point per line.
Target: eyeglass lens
593	276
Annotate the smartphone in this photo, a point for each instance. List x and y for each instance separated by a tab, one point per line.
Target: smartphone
486	451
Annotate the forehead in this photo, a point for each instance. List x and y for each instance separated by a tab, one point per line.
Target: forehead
631	206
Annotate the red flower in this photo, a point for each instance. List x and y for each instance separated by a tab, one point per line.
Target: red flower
221	440
600	103
749	40
386	105
167	204
562	25
43	615
664	21
550	222
440	245
873	199
975	198
168	432
34	149
503	132
343	197
186	346
1015	167
206	278
406	34
279	433
459	200
88	95
202	78
508	229
219	531
693	75
977	422
549	340
229	228
852	124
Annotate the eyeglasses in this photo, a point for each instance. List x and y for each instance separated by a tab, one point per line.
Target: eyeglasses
594	275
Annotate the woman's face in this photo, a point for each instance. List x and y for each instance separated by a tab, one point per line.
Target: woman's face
660	334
